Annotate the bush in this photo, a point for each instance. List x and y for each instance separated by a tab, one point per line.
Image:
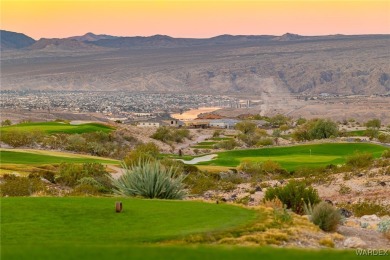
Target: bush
21	186
294	195
150	179
265	142
326	216
167	134
362	208
386	154
359	160
227	144
69	173
200	182
141	153
384	227
91	182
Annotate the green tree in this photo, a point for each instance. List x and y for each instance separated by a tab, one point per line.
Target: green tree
373	123
278	120
141	153
246	127
6	122
323	129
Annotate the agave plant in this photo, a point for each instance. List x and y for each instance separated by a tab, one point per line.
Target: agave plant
150	179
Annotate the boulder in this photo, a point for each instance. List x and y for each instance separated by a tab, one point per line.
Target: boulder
346	213
258	188
354	242
370	218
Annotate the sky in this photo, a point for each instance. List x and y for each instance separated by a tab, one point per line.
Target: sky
195	19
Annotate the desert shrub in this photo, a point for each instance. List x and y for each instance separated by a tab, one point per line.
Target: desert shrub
150	179
344	189
271	167
76	142
265	142
359	160
281	216
316	129
227	144
47	175
6	122
217	133
200	182
85	190
90	181
141	153
246	127
69	173
384	138
167	134
384	227
259	168
188	168
325	216
386	154
17	138
362	208
294	195
274	203
250	167
21	186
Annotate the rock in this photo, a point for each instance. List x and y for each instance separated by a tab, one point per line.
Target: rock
329	201
258	188
352	223
382	183
223	199
346	213
370	218
354	242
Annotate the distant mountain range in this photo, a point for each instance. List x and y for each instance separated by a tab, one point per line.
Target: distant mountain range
261	65
12	40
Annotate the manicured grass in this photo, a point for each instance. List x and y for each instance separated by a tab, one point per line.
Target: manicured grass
89	228
59	127
293	157
221	138
183	252
357	133
13	156
93	222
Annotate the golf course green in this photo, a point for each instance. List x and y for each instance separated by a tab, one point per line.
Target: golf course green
58	127
89	228
31	156
292	157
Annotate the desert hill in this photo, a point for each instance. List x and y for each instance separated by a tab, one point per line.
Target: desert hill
227	64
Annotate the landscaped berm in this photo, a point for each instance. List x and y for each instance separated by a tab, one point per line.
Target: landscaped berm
89	228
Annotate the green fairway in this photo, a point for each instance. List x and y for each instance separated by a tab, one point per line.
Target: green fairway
15	156
58	127
89	228
291	157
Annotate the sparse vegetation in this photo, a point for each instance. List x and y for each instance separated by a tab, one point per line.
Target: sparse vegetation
359	159
169	135
326	216
294	195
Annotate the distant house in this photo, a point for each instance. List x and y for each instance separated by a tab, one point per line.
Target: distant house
260	123
148	124
223	123
173	123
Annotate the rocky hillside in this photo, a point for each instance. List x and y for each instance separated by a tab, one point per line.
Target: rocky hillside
226	64
12	40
